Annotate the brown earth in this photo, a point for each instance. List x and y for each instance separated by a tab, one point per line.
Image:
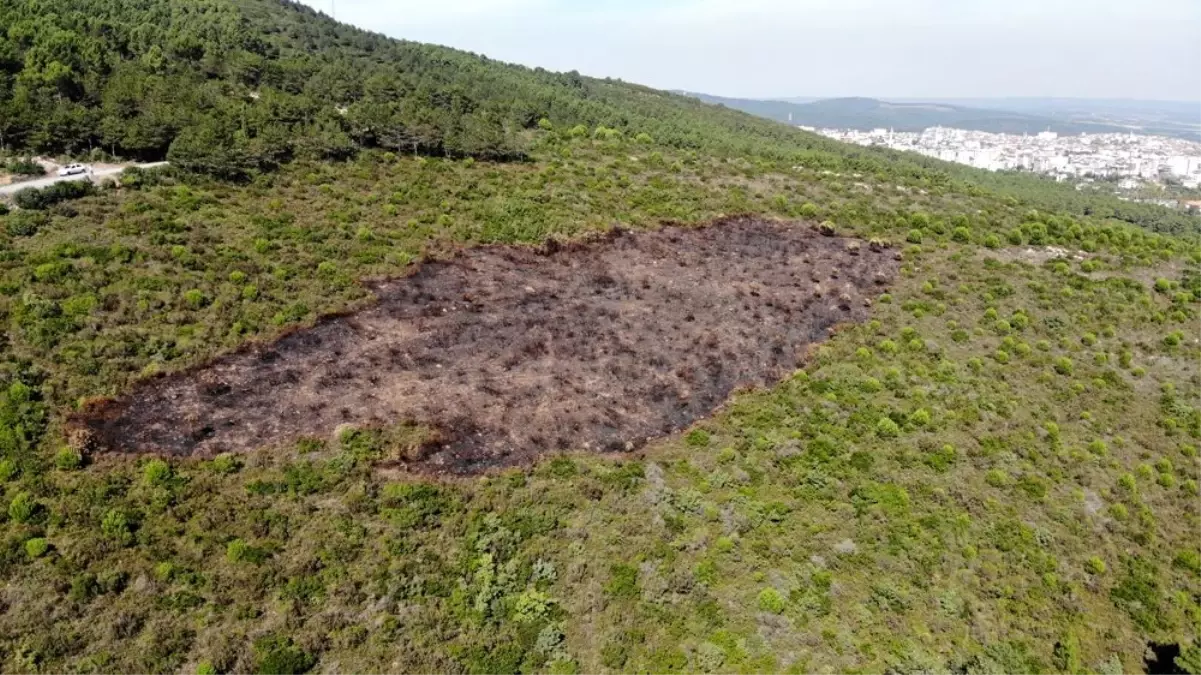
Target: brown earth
512	352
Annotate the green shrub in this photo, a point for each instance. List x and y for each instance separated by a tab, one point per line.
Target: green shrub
25	166
226	463
8	470
1139	592
871	385
1188	559
886	428
563	468
1127	484
941	460
22	508
25	223
1189	660
34	199
1033	486
1095	566
156	473
68	459
36	547
195	298
275	655
116	526
1063	365
238	551
623	582
416	505
697	438
770	600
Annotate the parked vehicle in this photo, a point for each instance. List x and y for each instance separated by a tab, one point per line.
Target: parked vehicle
72	169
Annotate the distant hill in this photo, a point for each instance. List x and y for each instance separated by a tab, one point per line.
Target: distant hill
1167	118
870	113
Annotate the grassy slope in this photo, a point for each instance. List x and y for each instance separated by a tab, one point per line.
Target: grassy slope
792	531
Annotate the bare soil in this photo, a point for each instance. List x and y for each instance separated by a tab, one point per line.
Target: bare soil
513	352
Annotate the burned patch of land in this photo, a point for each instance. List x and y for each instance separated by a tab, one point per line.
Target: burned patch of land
512	352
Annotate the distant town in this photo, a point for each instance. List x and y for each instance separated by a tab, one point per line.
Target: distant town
1129	161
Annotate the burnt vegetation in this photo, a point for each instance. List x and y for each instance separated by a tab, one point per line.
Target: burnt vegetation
512	353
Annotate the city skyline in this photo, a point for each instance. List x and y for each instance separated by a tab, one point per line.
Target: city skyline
1139	159
774	49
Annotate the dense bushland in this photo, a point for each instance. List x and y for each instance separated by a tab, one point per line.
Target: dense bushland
997	473
1009	445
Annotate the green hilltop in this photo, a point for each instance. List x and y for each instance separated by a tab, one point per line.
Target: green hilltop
997	472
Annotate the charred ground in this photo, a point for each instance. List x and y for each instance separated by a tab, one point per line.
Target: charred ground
512	352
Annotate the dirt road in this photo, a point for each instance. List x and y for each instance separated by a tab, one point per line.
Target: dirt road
8	190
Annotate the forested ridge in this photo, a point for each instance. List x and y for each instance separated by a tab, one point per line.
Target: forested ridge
233	87
996	472
271	79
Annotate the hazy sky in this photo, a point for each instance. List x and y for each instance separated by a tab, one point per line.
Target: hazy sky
1148	49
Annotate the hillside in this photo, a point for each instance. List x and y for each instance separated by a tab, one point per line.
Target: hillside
595	378
870	113
236	88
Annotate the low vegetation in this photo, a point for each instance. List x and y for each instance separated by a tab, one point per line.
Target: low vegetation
996	472
905	485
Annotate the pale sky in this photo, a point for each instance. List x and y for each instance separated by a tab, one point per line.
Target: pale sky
1145	49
